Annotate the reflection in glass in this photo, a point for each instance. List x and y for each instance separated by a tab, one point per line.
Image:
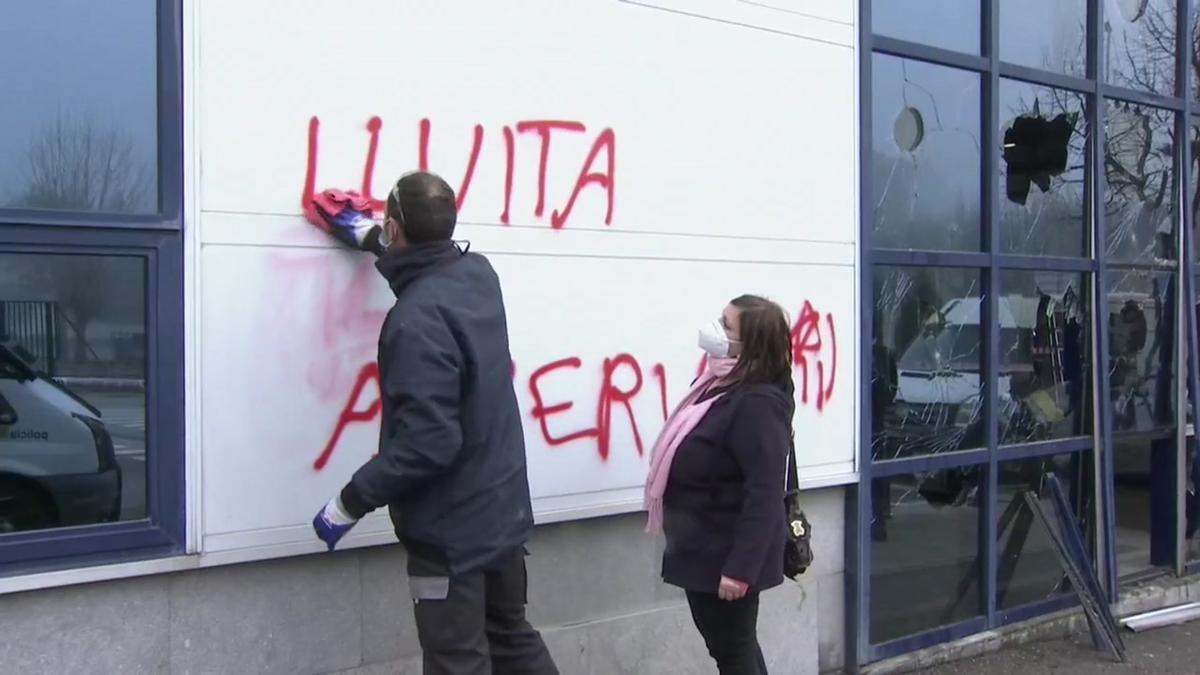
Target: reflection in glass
1145	501
1045	34
1028	568
1139	38
1193	194
926	390
1042	170
1139	195
72	390
1191	505
1045	356
949	24
1141	348
925	567
1195	53
85	135
926	156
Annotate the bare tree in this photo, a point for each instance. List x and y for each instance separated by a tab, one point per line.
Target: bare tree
76	163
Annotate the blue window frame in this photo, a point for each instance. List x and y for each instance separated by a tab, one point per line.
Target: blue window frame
91	310
968	297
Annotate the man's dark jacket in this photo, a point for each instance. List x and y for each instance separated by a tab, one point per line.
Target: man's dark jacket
451	462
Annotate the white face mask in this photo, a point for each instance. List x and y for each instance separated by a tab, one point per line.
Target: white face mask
714	340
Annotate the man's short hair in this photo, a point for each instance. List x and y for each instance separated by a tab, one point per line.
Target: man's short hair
424	206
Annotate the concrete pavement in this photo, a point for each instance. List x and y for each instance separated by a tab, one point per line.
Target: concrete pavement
1174	649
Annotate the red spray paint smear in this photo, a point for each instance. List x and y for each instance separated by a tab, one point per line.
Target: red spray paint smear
605	142
368	375
807	345
811	350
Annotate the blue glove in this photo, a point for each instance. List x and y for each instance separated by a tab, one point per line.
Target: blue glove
353	228
332	522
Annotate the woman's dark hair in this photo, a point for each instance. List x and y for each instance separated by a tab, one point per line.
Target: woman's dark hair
766	356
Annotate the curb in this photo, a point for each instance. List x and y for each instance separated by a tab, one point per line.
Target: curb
1155	594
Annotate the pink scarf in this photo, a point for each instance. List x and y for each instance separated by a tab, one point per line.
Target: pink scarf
681	422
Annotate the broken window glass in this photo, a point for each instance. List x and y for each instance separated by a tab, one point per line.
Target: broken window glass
926	154
1045	34
1043	166
1141	348
1139	195
1044	390
1028	569
926	390
1139	39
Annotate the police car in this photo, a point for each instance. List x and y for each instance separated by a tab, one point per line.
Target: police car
57	463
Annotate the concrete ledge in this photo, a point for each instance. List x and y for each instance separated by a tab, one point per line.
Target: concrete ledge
1145	596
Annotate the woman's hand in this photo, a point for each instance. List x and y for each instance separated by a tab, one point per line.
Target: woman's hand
732	589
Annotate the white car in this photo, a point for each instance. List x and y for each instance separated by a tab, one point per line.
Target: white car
57	463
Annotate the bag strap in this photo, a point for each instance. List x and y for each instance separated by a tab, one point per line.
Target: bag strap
791	481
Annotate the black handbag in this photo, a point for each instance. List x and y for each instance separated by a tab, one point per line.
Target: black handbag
797	548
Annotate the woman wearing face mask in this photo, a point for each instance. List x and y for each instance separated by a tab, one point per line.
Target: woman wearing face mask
716	482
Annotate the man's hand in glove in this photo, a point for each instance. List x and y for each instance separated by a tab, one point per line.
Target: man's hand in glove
332	522
348	217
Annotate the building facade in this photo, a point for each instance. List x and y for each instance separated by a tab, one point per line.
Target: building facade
977	213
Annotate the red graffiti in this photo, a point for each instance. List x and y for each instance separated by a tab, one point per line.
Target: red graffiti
610	395
541	412
368	374
806	344
812	351
605	178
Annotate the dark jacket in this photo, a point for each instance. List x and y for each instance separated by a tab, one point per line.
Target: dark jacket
451	462
723	511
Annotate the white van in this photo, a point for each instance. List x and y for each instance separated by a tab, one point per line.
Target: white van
57	463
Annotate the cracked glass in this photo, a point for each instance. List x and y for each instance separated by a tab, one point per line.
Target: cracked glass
1139	39
926	390
1140	184
1043	168
1141	348
1044	391
926	156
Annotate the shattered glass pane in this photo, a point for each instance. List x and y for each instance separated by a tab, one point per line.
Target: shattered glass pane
956	26
1045	356
1141	348
1028	569
1043	165
1139	38
1045	34
926	391
1140	184
925	166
